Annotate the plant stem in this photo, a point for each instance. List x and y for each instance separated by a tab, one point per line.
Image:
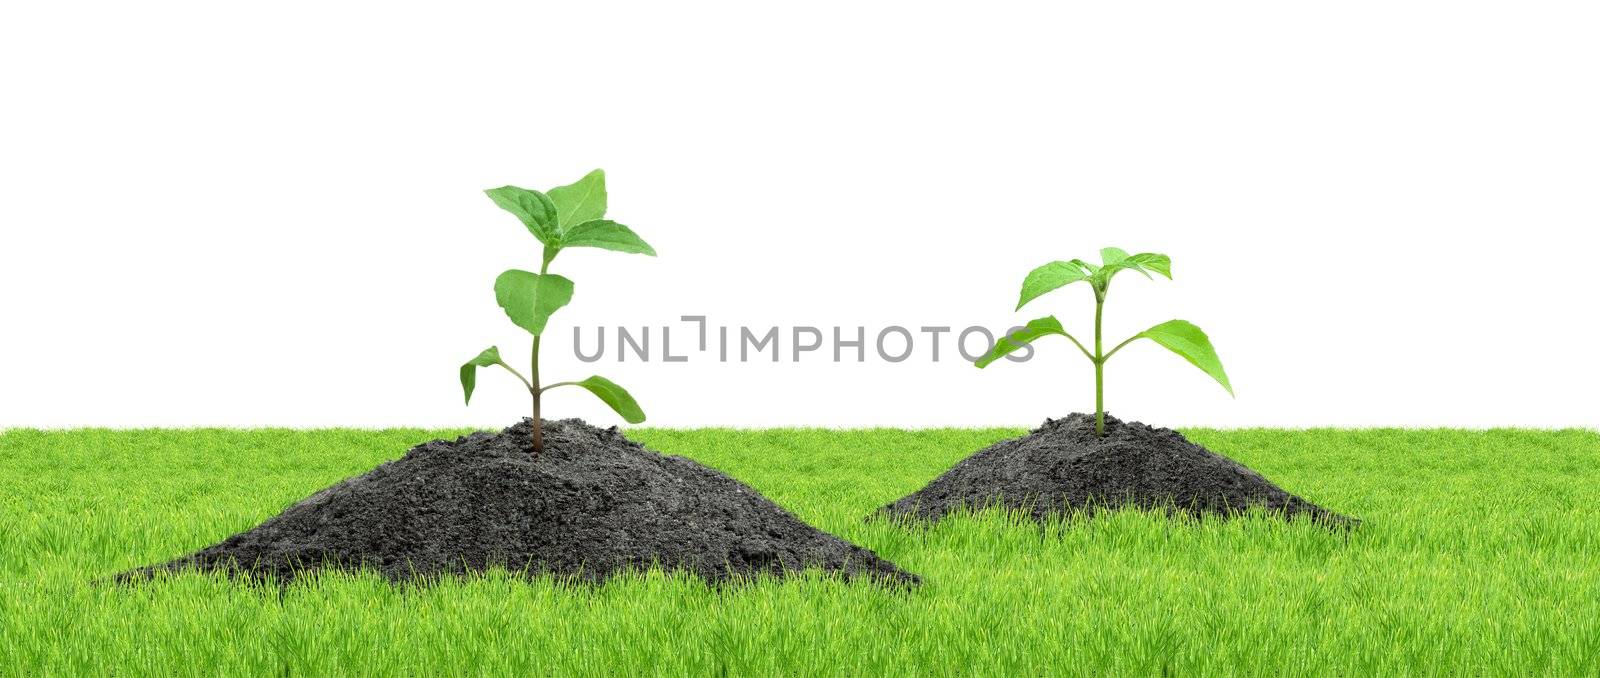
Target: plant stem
533	385
1081	349
1099	369
533	388
1118	347
518	375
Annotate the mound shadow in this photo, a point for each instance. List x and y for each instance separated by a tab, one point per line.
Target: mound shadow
593	505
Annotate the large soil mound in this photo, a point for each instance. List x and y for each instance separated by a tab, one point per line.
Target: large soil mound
594	504
1062	467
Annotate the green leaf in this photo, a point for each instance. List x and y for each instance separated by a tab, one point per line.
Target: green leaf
469	371
530	298
1183	338
1147	261
580	201
1116	260
607	235
1050	277
1036	328
535	210
615	396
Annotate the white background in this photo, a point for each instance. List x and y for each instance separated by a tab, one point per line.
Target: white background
1384	213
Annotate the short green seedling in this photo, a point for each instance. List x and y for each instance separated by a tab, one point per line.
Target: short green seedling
568	216
1179	336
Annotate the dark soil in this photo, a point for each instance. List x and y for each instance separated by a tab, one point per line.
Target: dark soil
1062	467
593	505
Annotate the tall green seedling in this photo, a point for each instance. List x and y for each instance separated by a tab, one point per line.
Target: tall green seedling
564	217
1179	336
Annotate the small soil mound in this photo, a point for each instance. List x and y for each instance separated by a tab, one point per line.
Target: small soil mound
1063	467
594	504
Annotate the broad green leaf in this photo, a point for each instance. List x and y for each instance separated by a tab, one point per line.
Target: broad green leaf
1036	328
580	201
615	396
533	208
530	298
607	235
469	371
1049	277
1183	338
1112	255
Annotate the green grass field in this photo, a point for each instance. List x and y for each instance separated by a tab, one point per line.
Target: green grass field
1480	554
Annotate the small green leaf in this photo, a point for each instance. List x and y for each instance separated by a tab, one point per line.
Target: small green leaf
1117	260
529	298
580	201
615	396
1050	277
1146	261
533	208
1036	328
607	235
1103	277
1183	338
469	371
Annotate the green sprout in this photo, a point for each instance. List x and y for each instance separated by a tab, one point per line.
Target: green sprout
1179	336
567	216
